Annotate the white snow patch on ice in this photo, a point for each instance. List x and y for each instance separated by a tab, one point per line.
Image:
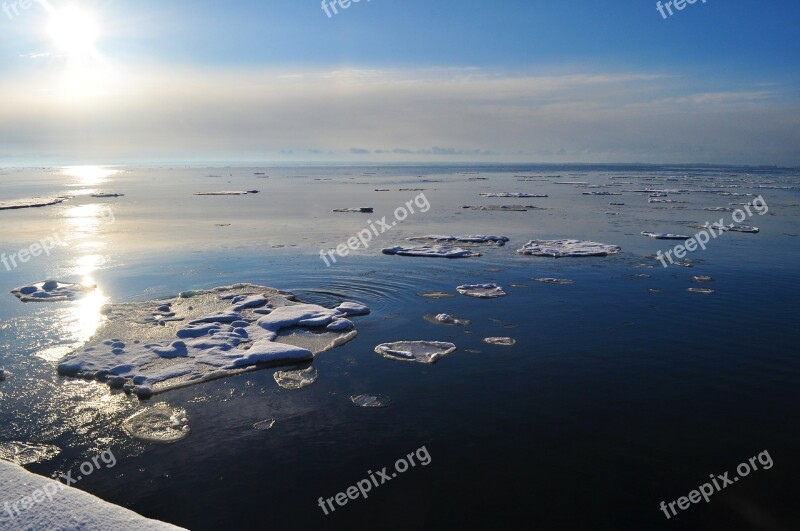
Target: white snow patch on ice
51	291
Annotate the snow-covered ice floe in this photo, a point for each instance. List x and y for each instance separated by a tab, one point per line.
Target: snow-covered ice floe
481	291
702	278
417	351
517	195
559	281
62	506
501	341
356	210
159	423
476	239
731	228
371	400
296	379
447	319
152	347
229	192
664	235
50	291
568	248
702	291
32	202
431	251
503	208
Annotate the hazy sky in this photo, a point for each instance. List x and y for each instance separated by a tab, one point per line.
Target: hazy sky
392	80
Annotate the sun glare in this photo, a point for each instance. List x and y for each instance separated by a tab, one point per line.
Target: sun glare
74	31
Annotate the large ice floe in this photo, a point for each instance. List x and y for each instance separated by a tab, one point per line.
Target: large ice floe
417	351
159	423
32	202
431	251
475	239
50	291
481	291
152	347
567	248
664	235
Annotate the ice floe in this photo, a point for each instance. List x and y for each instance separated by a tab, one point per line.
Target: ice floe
369	401
517	195
601	193
416	351
106	194
731	228
702	278
664	236
559	281
446	319
431	251
32	202
296	379
25	453
213	334
264	425
502	341
568	248
355	210
503	208
51	291
482	291
159	423
437	295
228	192
703	291
471	238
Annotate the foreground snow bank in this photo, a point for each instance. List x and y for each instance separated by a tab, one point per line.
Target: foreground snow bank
35	502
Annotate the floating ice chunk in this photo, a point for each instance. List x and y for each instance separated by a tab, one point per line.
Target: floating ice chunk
703	291
296	379
653	201
418	351
664	236
159	423
264	425
228	192
560	281
371	400
25	453
518	195
476	239
51	291
719	209
437	295
447	319
431	251
601	193
33	202
106	194
482	291
702	278
568	248
353	309
355	210
502	341
503	208
731	228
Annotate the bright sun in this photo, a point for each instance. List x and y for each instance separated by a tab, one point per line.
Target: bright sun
73	30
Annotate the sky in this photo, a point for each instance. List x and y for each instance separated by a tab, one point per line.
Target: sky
432	81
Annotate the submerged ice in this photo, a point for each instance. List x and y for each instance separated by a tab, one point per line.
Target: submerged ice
417	351
159	423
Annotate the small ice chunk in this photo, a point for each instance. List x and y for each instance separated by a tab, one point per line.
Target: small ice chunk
417	351
355	210
353	309
228	192
502	341
664	236
702	278
568	248
601	193
517	195
559	281
431	251
159	423
471	238
296	379
50	291
33	202
447	319
106	194
264	425
703	291
437	295
482	291
371	400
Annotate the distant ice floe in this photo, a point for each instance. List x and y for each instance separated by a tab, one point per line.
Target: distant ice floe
50	291
719	209
664	236
653	200
264	425
431	251
159	423
356	210
369	401
152	347
25	453
106	194
730	228
471	238
601	193
482	291
416	351
568	248
447	319
502	341
296	379
703	291
503	208
437	295
32	202
228	192
518	195
559	281
702	278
